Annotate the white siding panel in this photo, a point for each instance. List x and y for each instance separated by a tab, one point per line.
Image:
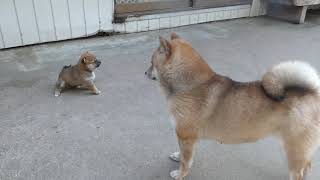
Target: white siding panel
1	39
106	15
24	22
77	18
9	24
45	20
61	19
91	12
27	20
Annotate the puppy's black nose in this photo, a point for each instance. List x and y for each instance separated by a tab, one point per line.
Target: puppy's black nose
154	78
145	73
98	63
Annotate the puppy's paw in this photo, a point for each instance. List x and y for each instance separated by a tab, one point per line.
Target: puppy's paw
57	93
175	174
97	92
175	156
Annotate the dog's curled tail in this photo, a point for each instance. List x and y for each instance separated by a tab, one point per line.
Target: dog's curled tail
291	74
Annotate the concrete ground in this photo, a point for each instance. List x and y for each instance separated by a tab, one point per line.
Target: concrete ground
125	132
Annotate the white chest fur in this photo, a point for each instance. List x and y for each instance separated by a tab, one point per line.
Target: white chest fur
92	77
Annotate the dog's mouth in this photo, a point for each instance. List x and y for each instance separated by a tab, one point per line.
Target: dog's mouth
149	76
151	73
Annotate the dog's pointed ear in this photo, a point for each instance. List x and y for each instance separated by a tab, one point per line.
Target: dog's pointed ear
174	36
165	46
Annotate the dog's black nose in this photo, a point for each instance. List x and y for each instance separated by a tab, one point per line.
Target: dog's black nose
154	78
98	63
145	73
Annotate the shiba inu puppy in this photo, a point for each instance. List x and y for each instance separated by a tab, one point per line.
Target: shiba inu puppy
79	75
204	104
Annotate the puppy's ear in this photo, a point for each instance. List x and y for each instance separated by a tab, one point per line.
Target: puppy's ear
174	36
84	60
165	46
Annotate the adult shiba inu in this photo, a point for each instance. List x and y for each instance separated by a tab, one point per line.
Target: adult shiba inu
79	75
204	104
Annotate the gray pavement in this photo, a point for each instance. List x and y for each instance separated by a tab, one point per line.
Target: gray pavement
125	133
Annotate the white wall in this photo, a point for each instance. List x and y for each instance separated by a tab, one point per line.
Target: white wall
24	22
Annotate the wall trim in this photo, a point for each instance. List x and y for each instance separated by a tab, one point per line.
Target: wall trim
183	18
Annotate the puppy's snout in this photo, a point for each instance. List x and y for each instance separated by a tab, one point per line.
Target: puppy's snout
98	63
154	78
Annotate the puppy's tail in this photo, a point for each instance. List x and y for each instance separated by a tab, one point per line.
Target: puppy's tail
66	67
292	74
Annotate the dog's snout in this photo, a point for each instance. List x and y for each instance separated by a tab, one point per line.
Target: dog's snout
98	63
150	74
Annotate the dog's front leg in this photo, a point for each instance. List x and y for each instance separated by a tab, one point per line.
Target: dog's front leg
92	87
186	158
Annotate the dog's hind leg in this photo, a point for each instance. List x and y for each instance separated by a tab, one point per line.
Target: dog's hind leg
299	153
186	158
60	85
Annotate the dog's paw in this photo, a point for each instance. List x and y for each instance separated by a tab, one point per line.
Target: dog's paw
175	156
57	94
175	174
97	92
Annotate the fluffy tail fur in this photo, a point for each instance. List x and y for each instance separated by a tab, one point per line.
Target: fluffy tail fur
292	74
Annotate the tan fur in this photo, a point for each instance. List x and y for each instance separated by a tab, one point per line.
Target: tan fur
206	105
79	75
